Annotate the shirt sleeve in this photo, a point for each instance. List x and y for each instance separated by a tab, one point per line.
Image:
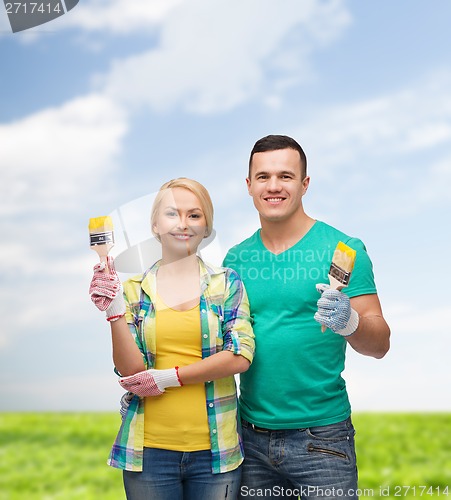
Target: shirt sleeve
132	308
362	276
237	324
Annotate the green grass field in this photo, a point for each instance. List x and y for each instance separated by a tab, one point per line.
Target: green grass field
63	456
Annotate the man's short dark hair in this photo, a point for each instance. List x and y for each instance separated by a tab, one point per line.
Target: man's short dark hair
275	142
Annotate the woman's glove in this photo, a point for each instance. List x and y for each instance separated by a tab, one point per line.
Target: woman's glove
125	403
106	290
151	382
335	311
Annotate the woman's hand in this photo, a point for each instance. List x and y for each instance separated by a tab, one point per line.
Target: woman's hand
106	290
151	382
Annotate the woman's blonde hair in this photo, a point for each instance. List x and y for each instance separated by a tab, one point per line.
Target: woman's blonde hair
191	185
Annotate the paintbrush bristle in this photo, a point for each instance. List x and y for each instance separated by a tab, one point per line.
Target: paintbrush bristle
342	263
344	257
100	224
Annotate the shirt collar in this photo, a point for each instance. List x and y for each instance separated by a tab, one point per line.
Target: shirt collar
149	278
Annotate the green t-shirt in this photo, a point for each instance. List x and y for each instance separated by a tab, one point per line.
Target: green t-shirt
295	379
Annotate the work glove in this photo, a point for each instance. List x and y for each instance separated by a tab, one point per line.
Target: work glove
106	290
151	382
125	403
335	311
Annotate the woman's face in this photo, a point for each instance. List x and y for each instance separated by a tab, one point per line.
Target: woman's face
180	222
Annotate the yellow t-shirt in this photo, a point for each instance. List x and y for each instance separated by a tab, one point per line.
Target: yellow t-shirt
177	420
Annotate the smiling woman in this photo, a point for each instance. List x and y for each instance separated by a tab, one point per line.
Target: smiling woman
180	333
181	215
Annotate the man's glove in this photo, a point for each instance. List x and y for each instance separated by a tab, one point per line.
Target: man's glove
335	311
151	382
106	290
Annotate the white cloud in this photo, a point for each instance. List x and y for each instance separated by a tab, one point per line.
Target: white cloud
208	58
42	285
52	162
49	156
404	122
240	51
428	188
119	17
427	135
407	319
389	155
412	376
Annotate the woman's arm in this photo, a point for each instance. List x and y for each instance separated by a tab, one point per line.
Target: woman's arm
235	357
238	336
127	357
220	365
107	294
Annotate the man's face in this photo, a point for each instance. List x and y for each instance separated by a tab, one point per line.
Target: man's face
276	185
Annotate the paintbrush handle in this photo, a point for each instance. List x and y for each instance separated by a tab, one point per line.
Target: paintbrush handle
102	251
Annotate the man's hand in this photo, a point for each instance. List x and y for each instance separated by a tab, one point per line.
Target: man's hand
335	311
106	290
151	382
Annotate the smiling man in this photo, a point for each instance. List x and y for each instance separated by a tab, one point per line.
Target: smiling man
296	416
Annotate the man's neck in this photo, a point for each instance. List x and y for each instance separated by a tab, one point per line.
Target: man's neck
278	236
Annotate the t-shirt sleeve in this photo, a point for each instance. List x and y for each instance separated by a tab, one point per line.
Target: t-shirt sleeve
362	276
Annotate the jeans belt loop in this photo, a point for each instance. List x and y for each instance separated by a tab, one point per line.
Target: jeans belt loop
260	429
256	428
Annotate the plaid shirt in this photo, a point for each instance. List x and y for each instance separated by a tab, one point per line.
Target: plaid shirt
225	326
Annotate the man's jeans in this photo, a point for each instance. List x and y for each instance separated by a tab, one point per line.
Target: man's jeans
174	475
318	462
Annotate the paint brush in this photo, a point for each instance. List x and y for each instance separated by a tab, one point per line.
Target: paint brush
341	268
101	237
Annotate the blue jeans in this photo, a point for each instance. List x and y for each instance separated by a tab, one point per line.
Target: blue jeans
318	462
177	475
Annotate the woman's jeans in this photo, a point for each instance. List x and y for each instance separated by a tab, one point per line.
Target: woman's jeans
318	462
174	475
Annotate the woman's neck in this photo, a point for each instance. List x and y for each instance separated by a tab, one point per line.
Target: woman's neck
176	266
178	282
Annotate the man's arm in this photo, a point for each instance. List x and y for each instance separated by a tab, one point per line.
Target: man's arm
372	337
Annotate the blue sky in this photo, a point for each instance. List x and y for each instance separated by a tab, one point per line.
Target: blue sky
101	106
